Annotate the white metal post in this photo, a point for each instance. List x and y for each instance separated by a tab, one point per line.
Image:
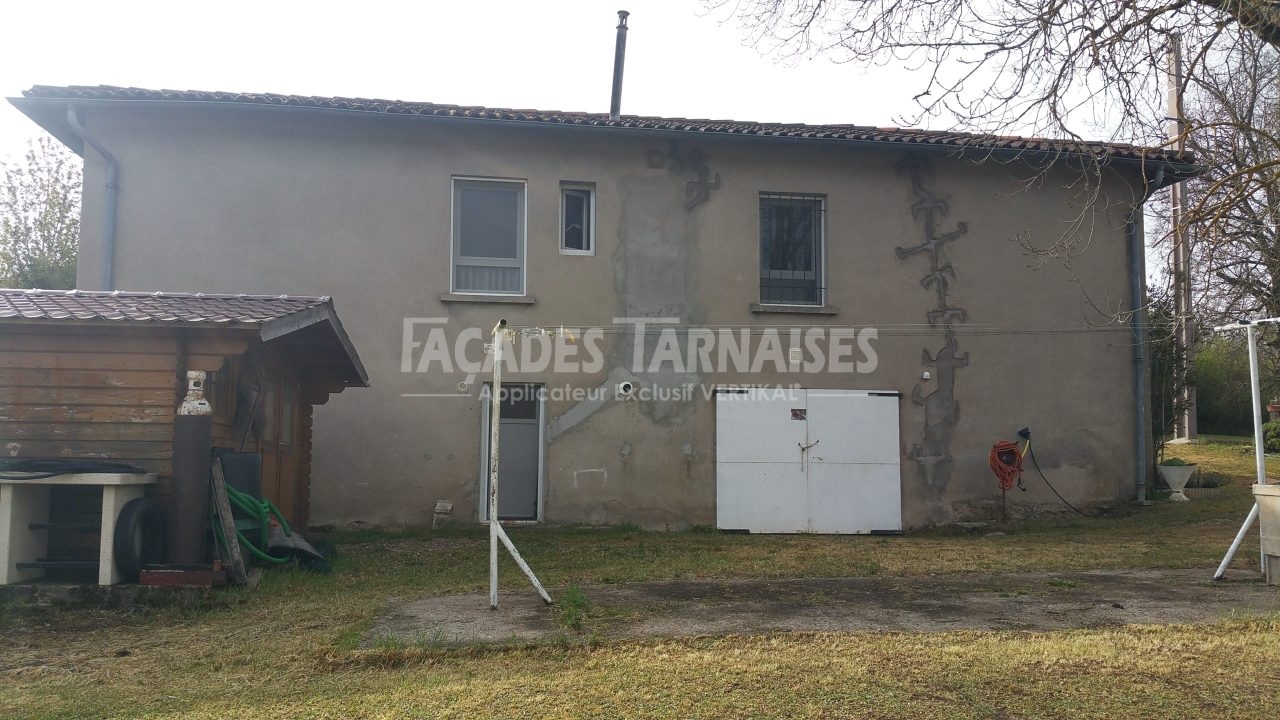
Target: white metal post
524	567
495	417
1235	544
1259	450
496	534
1255	385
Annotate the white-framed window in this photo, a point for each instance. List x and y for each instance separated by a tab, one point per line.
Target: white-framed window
791	249
577	218
488	236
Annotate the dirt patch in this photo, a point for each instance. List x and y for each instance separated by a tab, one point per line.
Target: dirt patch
1023	601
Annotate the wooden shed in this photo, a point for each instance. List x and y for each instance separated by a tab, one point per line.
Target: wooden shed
100	375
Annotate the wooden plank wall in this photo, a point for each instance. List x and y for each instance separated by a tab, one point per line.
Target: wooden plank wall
74	391
94	396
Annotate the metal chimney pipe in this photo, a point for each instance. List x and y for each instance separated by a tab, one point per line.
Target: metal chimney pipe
619	55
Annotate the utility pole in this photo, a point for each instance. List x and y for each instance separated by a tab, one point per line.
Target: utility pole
1185	427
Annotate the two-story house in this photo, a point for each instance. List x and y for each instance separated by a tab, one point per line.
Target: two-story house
878	287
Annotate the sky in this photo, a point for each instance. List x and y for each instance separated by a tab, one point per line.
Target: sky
682	60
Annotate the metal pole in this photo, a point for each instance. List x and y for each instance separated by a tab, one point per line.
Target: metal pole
1255	386
1259	452
496	533
619	56
495	417
524	567
1235	544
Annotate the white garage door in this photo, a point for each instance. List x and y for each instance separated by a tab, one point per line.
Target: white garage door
822	461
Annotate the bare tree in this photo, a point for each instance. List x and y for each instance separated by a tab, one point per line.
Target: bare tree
1048	65
1235	108
40	218
1076	68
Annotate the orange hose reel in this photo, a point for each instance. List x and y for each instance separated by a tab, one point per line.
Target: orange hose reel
1006	463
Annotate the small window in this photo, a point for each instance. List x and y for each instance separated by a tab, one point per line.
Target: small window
488	236
577	219
791	271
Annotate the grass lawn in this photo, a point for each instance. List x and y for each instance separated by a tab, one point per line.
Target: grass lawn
288	649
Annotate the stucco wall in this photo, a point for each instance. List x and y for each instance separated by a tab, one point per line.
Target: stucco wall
229	200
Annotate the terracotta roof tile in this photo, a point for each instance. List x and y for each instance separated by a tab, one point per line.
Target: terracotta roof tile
133	307
853	133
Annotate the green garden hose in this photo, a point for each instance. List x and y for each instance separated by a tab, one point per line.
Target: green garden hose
260	510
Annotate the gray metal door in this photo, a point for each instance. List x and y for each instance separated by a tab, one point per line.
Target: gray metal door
520	447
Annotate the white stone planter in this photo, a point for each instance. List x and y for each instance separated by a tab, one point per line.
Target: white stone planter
1176	477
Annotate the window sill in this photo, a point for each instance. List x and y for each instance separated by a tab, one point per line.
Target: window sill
495	299
759	308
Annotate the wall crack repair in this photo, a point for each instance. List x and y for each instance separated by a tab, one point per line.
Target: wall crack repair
941	409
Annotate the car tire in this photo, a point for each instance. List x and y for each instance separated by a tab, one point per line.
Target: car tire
139	538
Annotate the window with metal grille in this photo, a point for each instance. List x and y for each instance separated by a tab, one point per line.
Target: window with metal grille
488	236
791	239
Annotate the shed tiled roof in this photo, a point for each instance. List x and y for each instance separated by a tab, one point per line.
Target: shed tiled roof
852	133
195	308
274	317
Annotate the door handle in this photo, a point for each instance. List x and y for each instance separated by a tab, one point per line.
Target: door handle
804	449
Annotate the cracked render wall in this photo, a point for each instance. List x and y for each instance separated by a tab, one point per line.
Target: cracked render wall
224	200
